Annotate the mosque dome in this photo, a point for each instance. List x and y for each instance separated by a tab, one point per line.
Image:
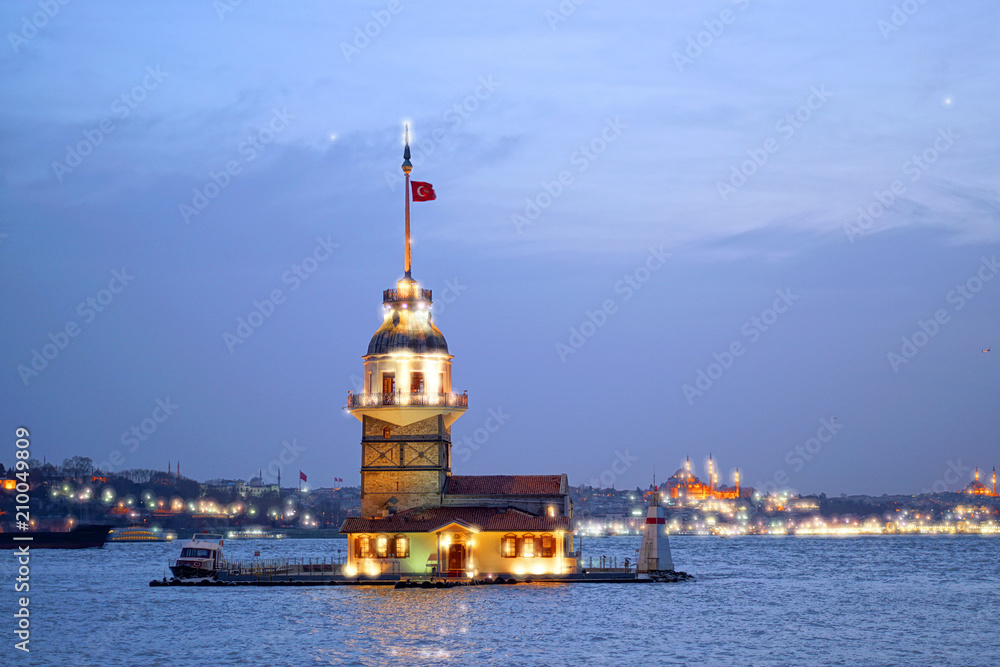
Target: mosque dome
683	475
977	488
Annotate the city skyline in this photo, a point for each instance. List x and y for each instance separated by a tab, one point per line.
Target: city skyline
776	245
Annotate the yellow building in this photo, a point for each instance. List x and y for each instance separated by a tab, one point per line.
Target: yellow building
417	519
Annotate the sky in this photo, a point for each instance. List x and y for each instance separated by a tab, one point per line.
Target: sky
764	231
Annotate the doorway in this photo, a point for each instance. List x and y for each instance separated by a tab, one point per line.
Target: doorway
456	559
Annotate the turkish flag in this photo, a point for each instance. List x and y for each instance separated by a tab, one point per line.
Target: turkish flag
423	191
302	476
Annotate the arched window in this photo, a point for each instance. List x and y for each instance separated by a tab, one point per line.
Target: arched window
382	546
528	548
508	546
402	546
548	546
362	548
386	432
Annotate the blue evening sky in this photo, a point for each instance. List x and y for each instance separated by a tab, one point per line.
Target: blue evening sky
204	150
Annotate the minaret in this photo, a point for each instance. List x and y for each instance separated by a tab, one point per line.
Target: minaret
406	406
711	474
737	483
994	480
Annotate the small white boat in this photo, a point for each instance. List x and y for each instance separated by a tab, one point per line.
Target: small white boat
201	557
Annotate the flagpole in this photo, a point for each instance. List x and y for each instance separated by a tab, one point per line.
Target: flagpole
407	167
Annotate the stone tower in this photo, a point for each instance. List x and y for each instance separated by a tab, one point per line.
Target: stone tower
407	406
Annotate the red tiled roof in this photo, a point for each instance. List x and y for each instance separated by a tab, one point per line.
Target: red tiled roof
480	518
521	485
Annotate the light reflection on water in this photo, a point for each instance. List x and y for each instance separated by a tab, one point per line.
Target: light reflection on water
763	601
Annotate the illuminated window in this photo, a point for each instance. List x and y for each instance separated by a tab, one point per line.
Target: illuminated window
548	547
416	382
528	548
370	388
402	549
362	548
388	383
382	546
552	510
386	432
508	546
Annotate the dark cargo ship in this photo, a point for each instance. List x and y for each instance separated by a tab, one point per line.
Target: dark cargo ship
81	537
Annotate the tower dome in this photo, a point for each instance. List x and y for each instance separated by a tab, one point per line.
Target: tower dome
408	324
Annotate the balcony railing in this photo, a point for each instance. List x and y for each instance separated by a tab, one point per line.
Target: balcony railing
406	294
397	398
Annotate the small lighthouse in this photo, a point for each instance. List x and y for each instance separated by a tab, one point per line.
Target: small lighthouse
654	553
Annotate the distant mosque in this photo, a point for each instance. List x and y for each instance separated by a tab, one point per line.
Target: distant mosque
684	485
977	488
417	518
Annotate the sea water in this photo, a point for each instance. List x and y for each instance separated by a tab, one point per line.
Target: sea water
891	600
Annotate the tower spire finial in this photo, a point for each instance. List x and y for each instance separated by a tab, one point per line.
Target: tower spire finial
407	168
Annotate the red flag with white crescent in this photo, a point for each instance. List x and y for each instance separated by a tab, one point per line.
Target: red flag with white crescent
423	191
